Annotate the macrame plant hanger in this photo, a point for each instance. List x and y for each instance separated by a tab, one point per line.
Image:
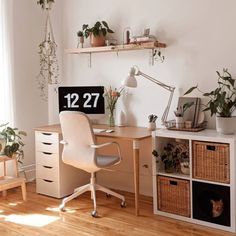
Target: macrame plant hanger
49	69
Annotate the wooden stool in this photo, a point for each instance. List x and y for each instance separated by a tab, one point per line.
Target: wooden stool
8	182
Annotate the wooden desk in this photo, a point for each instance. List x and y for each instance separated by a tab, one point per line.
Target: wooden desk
135	134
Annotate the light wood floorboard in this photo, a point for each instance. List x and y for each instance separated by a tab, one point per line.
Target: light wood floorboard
40	216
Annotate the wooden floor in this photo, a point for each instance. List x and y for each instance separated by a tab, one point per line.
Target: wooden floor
40	216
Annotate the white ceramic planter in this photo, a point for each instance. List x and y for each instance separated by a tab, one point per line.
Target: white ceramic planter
226	125
151	126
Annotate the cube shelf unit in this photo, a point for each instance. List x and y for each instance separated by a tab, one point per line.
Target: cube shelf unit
200	202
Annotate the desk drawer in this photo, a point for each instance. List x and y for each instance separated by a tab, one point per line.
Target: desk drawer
47	172
47	147
50	188
47	158
46	137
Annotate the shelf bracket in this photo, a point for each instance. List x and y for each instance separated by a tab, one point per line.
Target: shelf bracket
151	57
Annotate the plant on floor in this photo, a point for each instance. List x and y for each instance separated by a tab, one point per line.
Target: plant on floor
13	144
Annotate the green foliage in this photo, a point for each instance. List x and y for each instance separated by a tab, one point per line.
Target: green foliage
222	100
99	28
172	155
80	33
42	2
158	56
13	140
181	109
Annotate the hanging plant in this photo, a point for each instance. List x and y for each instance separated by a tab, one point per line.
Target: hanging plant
45	4
49	68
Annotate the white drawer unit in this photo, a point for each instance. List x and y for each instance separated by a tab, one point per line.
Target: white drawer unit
53	177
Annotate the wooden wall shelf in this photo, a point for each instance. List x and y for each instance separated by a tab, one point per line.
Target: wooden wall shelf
117	48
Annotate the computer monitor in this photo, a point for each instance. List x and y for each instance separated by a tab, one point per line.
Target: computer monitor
87	99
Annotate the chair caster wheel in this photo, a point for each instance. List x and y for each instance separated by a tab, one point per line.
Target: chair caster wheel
62	207
94	214
123	204
108	195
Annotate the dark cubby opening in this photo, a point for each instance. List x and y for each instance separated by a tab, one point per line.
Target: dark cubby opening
211	203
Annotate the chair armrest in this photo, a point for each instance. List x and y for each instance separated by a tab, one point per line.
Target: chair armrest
108	144
63	142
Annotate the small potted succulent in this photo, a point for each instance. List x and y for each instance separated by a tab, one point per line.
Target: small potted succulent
222	102
179	114
97	33
80	35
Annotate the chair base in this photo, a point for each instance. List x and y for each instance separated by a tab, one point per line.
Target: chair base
93	187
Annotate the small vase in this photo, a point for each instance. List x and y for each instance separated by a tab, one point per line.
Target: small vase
80	42
179	122
111	119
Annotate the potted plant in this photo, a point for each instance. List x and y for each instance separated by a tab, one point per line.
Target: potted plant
45	4
80	35
175	157
97	33
179	114
11	142
222	102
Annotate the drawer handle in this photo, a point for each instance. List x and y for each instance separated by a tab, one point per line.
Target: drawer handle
47	153
173	182
47	143
46	180
211	147
48	167
46	134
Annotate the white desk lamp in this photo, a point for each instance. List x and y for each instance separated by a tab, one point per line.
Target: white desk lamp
131	82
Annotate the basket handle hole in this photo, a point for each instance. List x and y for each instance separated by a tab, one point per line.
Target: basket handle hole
211	148
173	182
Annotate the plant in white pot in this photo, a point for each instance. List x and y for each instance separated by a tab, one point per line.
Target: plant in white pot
222	102
97	33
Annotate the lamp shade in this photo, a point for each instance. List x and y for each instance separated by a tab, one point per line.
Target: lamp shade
130	80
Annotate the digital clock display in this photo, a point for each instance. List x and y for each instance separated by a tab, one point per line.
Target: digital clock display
87	99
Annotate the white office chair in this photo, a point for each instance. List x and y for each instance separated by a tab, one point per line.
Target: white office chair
80	151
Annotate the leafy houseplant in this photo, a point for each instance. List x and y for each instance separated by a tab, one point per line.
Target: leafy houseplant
97	33
172	155
222	100
12	142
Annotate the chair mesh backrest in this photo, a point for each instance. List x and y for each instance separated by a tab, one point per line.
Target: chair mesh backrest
77	132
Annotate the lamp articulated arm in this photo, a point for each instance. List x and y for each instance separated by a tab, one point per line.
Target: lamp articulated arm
171	89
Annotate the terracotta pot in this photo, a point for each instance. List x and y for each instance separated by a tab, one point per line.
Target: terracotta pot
97	41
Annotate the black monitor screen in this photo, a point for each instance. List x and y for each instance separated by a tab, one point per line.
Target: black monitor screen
87	99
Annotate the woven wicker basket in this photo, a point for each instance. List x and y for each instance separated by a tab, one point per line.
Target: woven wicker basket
211	161
173	195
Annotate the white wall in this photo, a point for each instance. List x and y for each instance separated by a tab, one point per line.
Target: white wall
200	40
30	110
199	35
